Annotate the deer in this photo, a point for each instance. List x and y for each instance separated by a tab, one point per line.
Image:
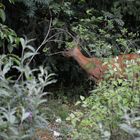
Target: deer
95	67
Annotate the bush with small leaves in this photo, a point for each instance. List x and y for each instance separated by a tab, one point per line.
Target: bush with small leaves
101	115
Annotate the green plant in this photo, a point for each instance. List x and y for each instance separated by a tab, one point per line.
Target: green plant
9	39
22	101
104	34
131	123
99	116
2	13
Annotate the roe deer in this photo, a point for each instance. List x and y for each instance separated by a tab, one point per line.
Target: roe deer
95	67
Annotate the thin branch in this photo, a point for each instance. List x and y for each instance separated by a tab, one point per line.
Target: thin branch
57	40
37	48
74	38
64	31
60	52
44	41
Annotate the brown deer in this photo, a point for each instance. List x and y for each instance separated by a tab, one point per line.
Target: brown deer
95	67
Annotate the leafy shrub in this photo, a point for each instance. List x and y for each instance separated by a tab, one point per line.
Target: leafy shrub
101	115
9	39
22	100
131	123
104	34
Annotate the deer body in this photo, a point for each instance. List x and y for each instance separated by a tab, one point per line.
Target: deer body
92	66
95	67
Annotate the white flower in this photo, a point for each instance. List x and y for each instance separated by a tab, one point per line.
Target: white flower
58	120
132	61
138	51
56	134
127	62
115	69
109	46
116	58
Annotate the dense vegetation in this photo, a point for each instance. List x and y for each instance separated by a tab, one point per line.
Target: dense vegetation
44	93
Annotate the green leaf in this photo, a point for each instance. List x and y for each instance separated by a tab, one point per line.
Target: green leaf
30	48
25	115
7	67
12	1
22	41
72	115
77	103
41	102
4	93
28	55
11	38
2	15
2	6
82	98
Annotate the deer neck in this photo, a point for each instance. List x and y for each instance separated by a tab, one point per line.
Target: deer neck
86	63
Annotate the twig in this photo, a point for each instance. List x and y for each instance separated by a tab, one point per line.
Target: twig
74	38
60	52
44	41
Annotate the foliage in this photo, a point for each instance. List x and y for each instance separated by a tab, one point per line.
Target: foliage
101	113
101	25
9	39
104	19
128	7
21	88
105	29
21	101
104	35
131	123
31	5
2	13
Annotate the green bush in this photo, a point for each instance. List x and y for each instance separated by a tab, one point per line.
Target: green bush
21	105
103	114
105	34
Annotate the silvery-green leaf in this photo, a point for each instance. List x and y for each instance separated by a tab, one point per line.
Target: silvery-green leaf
4	93
25	115
2	15
28	55
31	48
23	43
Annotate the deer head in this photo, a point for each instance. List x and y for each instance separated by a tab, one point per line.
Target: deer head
71	52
